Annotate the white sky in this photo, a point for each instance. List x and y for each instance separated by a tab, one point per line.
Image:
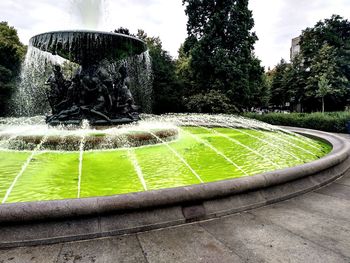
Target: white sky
276	21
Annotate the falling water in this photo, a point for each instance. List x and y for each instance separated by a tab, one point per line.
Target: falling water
88	13
140	72
30	98
137	167
84	126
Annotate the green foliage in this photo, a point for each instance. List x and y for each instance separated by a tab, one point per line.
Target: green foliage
324	53
325	50
212	102
122	30
218	52
330	122
278	90
167	89
324	87
11	54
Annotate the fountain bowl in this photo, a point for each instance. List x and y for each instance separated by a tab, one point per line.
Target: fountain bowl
89	47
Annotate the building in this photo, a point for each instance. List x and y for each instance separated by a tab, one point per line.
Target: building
295	49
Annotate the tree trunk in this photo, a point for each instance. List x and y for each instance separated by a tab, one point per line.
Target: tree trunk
322	104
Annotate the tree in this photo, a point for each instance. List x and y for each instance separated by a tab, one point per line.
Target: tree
212	102
123	30
324	89
325	76
325	49
12	52
219	49
167	89
279	90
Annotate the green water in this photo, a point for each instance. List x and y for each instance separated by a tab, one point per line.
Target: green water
200	155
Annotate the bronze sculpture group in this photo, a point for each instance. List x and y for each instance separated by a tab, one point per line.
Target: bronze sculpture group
93	93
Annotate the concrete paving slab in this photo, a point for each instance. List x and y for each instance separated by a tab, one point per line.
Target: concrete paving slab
40	254
336	190
259	241
189	243
331	206
327	232
117	249
345	181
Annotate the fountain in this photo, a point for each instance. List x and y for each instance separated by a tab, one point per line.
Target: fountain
96	167
97	144
77	168
99	90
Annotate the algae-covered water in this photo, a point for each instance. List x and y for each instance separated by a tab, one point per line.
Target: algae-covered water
199	155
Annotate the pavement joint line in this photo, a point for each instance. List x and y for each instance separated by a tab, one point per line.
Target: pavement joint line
295	205
331	196
346	186
141	247
267	221
294	201
221	242
342	184
337	197
59	252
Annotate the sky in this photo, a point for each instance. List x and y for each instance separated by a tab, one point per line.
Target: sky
276	21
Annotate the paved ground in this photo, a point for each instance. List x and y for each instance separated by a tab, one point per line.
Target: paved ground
310	228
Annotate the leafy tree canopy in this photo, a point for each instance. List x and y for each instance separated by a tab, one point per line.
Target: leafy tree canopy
219	50
12	52
167	89
320	71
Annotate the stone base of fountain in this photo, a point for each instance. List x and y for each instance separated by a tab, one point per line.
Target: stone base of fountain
99	139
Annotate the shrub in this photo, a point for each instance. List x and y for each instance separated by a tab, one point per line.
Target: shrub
212	102
330	122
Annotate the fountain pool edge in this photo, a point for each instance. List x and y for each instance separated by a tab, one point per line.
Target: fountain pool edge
67	220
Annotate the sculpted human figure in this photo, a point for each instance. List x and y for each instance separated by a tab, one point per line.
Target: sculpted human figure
125	100
58	89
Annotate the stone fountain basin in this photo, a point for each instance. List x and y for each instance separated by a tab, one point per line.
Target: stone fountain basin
88	47
77	219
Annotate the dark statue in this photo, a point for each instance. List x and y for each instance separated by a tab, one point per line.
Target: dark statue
96	93
93	94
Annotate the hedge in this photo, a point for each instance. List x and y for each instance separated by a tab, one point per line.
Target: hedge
330	121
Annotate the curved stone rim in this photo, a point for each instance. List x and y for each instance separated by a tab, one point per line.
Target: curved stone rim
95	206
86	31
75	46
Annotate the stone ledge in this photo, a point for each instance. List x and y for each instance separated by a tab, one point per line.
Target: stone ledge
68	220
